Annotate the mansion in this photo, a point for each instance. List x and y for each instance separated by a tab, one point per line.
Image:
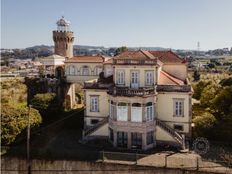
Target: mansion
136	99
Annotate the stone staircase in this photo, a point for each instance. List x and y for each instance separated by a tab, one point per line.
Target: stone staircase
92	129
179	139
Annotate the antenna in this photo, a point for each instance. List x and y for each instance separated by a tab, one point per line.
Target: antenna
198	46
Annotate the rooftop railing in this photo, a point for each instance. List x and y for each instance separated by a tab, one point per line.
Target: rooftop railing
134	62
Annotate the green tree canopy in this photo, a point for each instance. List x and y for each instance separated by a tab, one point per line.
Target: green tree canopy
204	124
199	87
43	102
196	75
208	94
14	120
226	82
222	103
120	50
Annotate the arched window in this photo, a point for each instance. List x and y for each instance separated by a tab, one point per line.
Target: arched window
149	111
136	112
85	71
98	70
72	70
122	111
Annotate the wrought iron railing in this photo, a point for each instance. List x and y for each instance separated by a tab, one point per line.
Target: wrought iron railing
126	91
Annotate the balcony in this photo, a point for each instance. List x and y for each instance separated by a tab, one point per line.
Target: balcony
130	92
134	62
131	126
174	88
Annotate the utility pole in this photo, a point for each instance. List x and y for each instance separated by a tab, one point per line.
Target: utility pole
28	141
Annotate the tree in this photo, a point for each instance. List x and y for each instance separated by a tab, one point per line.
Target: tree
208	94
120	50
222	103
14	120
204	124
196	75
44	102
198	88
226	82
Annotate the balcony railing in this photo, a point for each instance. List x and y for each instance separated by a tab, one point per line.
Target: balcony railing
96	85
173	88
134	62
126	91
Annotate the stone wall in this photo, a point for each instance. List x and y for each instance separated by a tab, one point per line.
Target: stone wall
18	166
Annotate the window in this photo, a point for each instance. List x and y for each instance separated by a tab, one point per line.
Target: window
136	140
98	70
136	112
94	104
72	70
149	79
85	70
122	112
111	134
179	107
120	77
178	127
112	109
150	137
122	139
94	121
134	79
149	111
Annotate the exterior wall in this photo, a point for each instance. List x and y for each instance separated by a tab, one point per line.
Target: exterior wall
165	110
77	76
79	79
161	135
177	70
63	43
128	68
102	131
70	97
103	105
107	68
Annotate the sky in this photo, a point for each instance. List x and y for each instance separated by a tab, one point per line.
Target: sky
176	24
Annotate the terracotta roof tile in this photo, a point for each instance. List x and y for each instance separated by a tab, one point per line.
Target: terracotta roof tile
167	56
167	79
140	54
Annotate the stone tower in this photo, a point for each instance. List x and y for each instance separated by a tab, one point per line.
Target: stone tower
63	38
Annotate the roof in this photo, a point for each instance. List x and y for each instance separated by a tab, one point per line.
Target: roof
109	61
167	56
87	59
140	54
167	79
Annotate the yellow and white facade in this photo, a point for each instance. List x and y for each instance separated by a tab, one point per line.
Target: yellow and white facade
140	105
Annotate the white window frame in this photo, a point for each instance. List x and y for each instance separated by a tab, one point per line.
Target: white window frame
134	75
149	113
120	77
84	70
149	78
98	70
72	70
94	103
178	107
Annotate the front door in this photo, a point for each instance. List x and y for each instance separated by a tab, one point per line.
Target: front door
135	79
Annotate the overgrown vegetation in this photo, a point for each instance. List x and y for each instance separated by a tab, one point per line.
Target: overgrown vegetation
14	110
213	115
